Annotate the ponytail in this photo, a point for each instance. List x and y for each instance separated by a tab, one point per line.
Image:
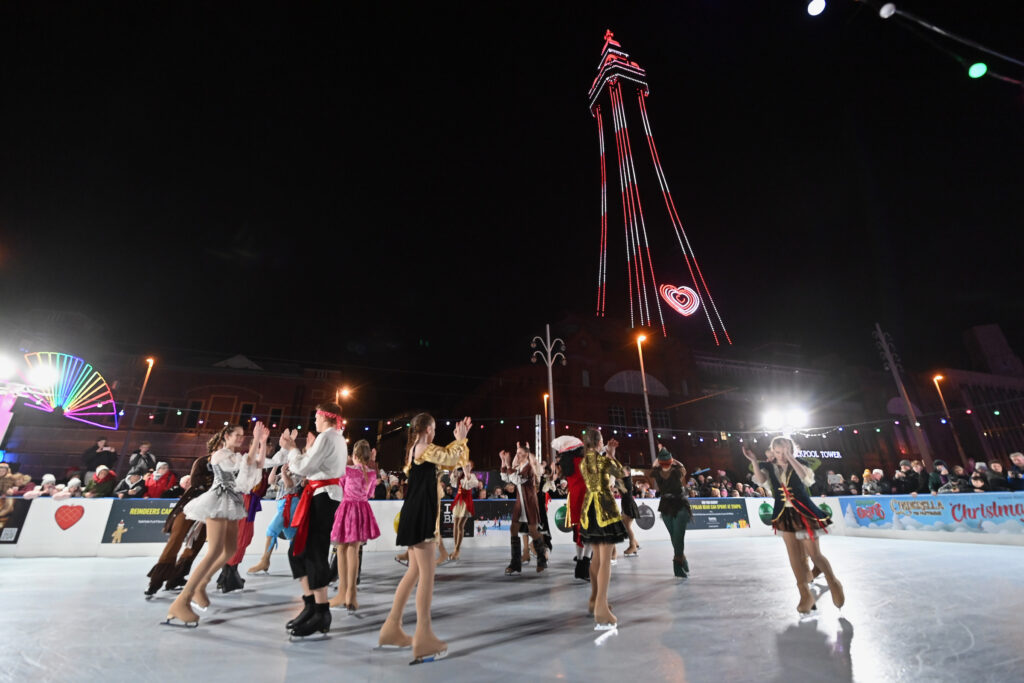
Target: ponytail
215	443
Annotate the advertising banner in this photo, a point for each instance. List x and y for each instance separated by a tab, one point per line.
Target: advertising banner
719	513
13	512
138	520
981	513
63	528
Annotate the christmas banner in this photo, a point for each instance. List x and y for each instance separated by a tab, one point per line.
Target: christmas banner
138	520
983	513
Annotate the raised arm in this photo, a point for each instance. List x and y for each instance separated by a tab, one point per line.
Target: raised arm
759	478
455	454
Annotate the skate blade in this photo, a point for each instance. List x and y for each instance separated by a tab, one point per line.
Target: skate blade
404	563
606	627
171	621
391	648
429	658
199	607
292	638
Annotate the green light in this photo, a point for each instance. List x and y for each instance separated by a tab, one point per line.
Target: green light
996	413
977	70
877	429
179	412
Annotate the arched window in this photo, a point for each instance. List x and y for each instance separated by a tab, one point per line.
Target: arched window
630	382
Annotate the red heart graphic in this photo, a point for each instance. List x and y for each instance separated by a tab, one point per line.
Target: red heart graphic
683	299
67	516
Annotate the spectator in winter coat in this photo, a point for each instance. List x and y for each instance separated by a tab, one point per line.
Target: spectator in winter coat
132	486
102	484
996	478
143	460
1015	475
159	480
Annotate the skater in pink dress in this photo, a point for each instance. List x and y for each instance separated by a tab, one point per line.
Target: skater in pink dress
354	523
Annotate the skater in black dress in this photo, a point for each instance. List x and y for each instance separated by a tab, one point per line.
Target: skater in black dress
796	517
630	510
416	527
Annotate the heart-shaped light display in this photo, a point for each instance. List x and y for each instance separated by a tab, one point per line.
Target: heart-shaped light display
682	299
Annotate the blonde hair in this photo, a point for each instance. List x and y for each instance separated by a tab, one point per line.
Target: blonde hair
787	445
417	426
361	452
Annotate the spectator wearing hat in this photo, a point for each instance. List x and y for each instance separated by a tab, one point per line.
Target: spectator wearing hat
900	478
47	487
159	480
72	490
978	483
132	486
102	484
938	477
922	476
1015	474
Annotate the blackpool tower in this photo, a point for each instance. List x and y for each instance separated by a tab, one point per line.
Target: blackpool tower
621	83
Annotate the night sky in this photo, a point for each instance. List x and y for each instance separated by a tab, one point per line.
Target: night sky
336	181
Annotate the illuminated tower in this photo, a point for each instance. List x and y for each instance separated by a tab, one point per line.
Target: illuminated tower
623	79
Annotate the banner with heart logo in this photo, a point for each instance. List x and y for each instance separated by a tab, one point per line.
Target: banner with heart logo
683	300
67	516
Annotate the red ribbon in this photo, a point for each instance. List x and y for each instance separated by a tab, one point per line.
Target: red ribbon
301	519
288	508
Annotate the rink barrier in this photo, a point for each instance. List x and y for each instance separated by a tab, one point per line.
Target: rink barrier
107	527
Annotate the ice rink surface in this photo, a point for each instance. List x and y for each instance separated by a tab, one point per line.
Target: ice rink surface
915	611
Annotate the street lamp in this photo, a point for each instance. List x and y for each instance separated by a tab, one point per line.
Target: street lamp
549	351
959	448
647	404
546	437
135	415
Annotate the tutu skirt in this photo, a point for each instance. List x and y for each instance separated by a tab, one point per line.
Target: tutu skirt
354	523
805	526
217	503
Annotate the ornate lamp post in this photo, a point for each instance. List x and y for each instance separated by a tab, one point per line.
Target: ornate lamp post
549	351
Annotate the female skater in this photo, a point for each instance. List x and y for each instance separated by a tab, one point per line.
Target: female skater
601	524
289	487
465	483
669	477
220	508
521	473
570	455
416	524
354	523
630	511
171	569
796	517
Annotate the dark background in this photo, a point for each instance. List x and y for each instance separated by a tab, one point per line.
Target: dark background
347	183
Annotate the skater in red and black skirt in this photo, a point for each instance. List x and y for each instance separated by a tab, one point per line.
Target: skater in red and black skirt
465	483
569	451
796	517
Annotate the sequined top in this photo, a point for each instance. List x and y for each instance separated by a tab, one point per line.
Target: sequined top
597	471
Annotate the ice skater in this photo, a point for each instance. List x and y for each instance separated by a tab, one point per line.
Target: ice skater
354	523
171	570
522	472
416	530
570	452
669	478
600	521
321	464
289	486
220	508
796	517
465	484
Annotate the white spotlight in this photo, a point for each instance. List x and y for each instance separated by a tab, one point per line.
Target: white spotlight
42	376
888	9
7	367
815	7
797	418
773	419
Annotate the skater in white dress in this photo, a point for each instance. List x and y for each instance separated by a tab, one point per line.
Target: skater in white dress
220	508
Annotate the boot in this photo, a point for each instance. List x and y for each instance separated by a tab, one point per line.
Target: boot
318	622
359	572
526	552
516	565
306	613
232	581
175	584
542	554
583	569
677	568
806	603
835	588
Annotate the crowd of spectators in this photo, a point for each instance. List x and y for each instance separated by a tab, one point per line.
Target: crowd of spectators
149	477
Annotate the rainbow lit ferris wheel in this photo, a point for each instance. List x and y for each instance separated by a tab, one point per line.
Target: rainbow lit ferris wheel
60	382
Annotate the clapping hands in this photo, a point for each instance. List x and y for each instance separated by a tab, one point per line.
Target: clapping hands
462	428
287	439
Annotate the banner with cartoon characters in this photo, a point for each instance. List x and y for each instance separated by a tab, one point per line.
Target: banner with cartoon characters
980	513
138	520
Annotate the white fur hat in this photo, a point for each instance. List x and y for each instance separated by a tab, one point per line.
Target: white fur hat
566	443
49	479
